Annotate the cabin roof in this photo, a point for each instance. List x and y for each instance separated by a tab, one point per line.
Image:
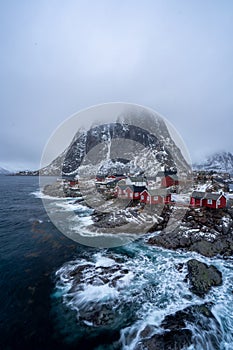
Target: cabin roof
198	194
159	192
206	195
132	187
137	179
172	176
213	196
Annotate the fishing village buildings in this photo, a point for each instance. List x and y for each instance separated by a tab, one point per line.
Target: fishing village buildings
210	190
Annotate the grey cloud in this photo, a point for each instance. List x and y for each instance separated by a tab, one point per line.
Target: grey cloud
57	58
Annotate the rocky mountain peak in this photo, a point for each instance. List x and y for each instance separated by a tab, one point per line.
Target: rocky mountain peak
140	138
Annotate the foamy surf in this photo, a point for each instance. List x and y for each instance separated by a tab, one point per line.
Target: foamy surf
41	195
134	288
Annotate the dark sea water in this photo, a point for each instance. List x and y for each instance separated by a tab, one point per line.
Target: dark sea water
115	295
31	249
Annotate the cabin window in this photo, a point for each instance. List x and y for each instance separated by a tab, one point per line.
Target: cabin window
156	198
131	195
209	201
142	197
136	194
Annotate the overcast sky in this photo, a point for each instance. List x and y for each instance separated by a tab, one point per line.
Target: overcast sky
58	57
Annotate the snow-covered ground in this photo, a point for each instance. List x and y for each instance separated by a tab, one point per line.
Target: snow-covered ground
181	198
203	187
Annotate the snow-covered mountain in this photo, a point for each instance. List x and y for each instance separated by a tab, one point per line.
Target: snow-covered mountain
4	171
143	140
220	161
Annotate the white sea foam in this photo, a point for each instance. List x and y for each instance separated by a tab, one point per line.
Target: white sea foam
41	195
95	294
152	281
103	261
72	206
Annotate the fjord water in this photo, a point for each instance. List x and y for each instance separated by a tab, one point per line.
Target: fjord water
31	250
44	305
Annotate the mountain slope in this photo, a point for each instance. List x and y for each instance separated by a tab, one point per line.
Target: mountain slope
140	138
220	161
4	171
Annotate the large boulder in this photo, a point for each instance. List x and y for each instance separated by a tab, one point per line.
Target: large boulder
202	277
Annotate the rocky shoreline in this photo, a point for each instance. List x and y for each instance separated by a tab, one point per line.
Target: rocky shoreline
208	232
176	335
174	332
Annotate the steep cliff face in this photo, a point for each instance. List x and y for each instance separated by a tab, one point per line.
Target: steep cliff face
105	135
142	140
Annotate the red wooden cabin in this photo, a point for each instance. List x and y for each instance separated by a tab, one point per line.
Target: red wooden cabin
157	196
208	200
128	192
170	180
196	198
214	200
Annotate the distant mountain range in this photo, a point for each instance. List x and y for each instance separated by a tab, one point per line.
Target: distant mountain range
4	171
220	162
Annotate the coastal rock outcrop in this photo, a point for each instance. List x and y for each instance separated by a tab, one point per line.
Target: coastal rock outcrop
60	190
202	277
176	333
203	230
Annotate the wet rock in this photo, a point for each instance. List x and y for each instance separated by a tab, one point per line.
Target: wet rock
61	190
109	220
147	331
209	234
172	340
203	247
179	267
220	246
176	335
184	241
202	277
191	314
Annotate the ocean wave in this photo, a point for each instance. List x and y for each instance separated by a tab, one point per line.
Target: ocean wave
41	195
68	205
135	288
